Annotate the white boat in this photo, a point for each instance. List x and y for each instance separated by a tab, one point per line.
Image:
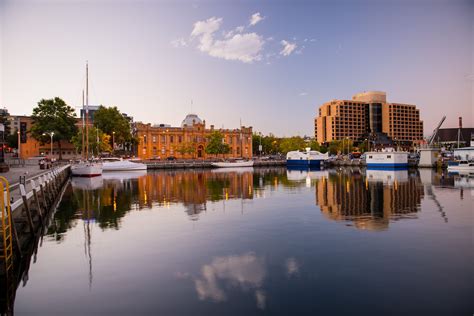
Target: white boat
86	169
309	158
461	166
233	164
117	164
387	158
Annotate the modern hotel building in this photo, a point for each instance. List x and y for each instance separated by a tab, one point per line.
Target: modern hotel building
368	115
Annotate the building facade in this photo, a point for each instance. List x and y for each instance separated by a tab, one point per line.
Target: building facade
189	140
368	114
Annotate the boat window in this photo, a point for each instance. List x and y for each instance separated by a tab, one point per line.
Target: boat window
389	156
370	157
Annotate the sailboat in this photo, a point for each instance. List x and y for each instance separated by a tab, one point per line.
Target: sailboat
86	167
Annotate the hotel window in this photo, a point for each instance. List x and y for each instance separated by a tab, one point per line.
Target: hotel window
144	139
153	139
163	139
171	138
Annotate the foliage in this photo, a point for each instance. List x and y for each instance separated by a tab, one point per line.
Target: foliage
110	120
99	142
341	146
12	139
185	148
314	145
292	143
215	145
270	144
5	121
53	115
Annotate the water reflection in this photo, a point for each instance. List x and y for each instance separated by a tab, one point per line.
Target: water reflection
245	272
370	201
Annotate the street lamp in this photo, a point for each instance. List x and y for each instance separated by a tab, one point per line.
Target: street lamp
260	145
19	149
113	142
51	134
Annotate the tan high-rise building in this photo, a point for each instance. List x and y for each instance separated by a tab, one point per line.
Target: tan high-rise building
368	113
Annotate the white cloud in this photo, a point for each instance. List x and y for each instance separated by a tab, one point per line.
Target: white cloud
179	42
255	18
292	267
288	48
245	47
246	272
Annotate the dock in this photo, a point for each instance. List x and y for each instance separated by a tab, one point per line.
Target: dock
23	225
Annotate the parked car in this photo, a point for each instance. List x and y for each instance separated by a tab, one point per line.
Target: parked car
171	158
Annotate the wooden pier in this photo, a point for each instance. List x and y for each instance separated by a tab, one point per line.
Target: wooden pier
23	224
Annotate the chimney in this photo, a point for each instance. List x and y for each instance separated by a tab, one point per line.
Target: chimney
460	122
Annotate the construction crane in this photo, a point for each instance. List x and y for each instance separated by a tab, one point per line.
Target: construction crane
435	132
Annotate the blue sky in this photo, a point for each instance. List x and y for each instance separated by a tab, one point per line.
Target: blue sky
151	58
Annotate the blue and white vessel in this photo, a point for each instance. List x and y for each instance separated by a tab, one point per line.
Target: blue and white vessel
388	158
308	159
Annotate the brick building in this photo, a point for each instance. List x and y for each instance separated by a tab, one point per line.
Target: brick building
189	140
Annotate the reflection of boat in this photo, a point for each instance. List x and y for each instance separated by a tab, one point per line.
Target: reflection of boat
387	158
300	175
310	158
124	175
237	170
86	169
464	181
117	164
462	166
87	183
387	176
233	164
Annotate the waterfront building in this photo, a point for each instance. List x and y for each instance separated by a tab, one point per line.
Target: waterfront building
189	140
368	116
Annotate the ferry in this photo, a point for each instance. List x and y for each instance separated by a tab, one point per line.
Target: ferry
388	158
310	158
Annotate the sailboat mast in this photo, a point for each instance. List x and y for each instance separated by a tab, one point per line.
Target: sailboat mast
83	125
87	110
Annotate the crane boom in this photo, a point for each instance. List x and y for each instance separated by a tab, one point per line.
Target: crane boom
435	132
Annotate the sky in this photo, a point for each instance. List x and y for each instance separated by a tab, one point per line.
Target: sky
267	64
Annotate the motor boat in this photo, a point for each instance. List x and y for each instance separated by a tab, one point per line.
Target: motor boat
309	158
461	166
388	158
233	163
118	164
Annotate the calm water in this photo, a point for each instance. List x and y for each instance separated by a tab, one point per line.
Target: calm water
263	241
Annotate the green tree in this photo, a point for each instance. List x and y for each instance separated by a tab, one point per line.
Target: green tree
5	121
112	122
314	145
53	115
185	148
292	143
215	144
12	139
99	142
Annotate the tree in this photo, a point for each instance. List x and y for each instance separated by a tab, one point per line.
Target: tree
185	148
215	144
53	115
95	147
12	139
111	121
5	121
314	145
292	143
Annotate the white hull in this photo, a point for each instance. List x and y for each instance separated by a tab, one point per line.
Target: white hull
387	159
237	164
461	169
88	169
123	165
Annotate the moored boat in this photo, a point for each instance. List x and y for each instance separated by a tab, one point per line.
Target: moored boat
86	169
310	158
117	164
461	166
387	159
233	164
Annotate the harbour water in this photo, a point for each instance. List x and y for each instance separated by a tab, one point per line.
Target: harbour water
257	241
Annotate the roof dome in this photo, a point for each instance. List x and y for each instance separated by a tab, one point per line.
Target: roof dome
190	120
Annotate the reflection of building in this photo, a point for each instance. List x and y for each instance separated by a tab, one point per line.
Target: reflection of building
368	113
189	140
370	204
193	189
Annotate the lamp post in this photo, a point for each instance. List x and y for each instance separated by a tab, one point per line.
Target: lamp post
19	141
113	142
260	145
51	134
